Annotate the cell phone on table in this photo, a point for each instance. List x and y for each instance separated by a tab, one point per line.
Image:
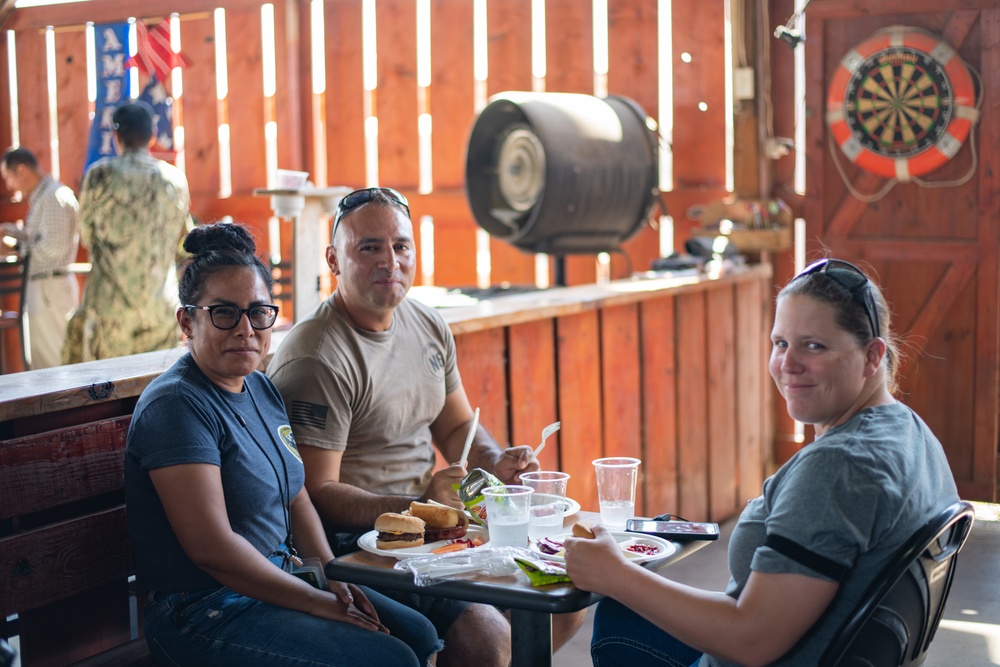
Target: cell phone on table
677	531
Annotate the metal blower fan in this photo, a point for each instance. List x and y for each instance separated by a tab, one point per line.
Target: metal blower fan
562	173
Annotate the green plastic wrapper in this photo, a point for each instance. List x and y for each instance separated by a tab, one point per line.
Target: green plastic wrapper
540	572
470	491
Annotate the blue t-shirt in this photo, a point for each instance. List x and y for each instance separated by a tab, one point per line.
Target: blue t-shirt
182	417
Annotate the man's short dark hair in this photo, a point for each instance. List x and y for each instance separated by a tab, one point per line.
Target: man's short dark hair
133	124
15	156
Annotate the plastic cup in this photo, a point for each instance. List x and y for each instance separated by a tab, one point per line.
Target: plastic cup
508	512
546	481
546	515
616	478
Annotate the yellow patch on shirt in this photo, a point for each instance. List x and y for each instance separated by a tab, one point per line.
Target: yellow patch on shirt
288	439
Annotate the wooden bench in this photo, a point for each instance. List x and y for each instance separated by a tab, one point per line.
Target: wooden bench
65	555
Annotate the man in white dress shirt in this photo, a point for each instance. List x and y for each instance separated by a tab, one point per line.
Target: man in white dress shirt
50	236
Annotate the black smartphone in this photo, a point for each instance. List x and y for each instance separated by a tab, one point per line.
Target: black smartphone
674	530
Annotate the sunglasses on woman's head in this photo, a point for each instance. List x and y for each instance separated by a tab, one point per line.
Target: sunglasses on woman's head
357	198
861	292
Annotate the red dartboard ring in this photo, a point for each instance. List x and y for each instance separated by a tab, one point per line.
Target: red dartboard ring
901	103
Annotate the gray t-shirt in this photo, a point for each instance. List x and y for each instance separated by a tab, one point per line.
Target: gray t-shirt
851	498
371	395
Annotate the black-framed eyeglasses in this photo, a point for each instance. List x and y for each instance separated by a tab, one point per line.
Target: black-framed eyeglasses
355	199
861	292
226	317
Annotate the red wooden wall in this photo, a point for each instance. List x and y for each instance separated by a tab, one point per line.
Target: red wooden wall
324	133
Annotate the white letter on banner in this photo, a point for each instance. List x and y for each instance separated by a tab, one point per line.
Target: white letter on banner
114	92
111	42
113	65
106	114
106	143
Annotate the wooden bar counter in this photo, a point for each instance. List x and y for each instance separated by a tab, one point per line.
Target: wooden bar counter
656	368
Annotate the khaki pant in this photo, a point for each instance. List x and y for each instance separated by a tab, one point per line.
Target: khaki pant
51	302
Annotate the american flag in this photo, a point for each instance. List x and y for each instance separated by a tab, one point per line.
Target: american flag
304	413
154	56
155	95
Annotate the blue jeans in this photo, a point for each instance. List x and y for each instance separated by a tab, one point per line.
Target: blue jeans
218	627
623	638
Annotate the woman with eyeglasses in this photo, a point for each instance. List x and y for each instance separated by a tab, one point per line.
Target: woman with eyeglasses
218	515
802	554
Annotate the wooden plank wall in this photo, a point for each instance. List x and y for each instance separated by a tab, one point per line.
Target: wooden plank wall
64	548
935	249
324	132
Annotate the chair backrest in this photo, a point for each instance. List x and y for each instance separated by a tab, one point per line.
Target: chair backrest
895	621
14	281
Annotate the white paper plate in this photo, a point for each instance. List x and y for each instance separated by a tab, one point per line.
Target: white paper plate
572	507
624	540
367	542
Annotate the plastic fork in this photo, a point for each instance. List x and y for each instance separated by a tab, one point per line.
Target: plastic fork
546	432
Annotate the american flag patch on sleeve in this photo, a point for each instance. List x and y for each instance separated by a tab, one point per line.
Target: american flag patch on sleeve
308	414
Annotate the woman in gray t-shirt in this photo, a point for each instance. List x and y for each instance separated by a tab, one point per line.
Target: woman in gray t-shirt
803	552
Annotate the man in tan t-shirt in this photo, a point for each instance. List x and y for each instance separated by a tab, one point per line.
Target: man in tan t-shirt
371	384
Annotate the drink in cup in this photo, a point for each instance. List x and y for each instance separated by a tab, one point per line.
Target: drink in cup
616	477
546	514
508	509
546	481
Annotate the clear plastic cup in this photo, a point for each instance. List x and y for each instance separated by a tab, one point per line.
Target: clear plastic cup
616	477
508	511
546	515
546	481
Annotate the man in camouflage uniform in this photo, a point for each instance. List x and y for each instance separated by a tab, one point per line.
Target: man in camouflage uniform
133	213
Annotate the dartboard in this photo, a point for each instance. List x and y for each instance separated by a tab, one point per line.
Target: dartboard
901	103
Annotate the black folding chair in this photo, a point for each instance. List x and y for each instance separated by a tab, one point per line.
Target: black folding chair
895	621
14	281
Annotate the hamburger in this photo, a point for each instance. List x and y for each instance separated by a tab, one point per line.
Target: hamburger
398	531
440	521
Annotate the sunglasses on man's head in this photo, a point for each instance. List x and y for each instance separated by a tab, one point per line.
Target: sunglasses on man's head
357	198
861	291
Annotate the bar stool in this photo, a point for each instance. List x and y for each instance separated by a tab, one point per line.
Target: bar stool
14	282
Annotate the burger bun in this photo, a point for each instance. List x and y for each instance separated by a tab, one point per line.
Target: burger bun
582	529
398	531
435	515
443	522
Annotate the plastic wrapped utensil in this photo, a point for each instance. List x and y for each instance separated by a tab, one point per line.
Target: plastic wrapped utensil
470	563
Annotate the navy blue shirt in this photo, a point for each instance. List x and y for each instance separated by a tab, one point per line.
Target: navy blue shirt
182	417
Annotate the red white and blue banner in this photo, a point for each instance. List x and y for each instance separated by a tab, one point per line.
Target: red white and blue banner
111	53
155	59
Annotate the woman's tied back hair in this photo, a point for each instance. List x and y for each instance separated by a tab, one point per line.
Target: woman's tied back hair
849	313
215	247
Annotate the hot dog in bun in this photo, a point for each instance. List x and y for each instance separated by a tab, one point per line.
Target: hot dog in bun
398	531
581	529
441	522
